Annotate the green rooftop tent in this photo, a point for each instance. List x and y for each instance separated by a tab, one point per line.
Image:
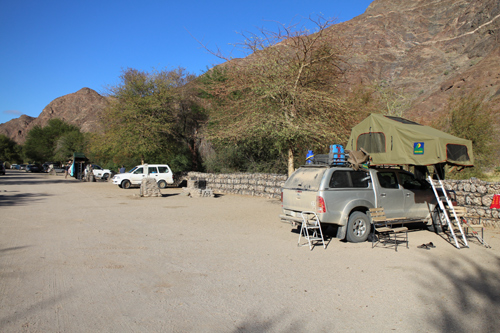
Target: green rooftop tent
397	141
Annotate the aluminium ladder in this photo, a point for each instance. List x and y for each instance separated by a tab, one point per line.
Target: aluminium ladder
445	212
310	221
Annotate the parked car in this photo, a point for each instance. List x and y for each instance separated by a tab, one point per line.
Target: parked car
161	172
2	169
100	173
22	167
56	166
33	168
13	166
343	196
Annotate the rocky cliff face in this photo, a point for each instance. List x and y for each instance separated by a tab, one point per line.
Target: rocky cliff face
82	108
429	49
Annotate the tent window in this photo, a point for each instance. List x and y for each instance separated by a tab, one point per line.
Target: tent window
372	142
457	153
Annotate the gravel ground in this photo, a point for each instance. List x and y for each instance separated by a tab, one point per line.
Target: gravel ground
91	257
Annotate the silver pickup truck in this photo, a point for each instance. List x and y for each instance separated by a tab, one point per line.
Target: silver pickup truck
343	196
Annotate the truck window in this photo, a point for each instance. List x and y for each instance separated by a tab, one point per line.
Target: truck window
359	179
387	179
409	182
152	170
339	179
162	169
306	179
343	179
139	171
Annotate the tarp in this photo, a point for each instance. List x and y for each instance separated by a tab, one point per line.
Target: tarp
398	141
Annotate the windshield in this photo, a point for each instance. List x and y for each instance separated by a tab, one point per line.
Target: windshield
133	169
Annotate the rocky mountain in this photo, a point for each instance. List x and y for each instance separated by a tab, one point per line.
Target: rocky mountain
16	128
427	49
82	108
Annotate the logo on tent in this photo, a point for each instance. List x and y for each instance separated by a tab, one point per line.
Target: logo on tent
418	148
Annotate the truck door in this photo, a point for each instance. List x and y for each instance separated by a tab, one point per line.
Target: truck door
137	175
390	195
417	194
153	172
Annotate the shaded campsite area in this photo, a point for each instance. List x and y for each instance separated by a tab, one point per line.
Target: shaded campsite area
82	257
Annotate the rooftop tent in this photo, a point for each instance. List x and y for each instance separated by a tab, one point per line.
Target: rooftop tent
398	141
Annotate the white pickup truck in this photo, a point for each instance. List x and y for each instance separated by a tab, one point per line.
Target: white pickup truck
343	196
99	173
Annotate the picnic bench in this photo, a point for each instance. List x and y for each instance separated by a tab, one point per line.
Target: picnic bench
386	230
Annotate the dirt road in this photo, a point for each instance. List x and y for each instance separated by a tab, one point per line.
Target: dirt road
91	257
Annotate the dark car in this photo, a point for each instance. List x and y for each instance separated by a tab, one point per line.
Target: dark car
2	169
33	168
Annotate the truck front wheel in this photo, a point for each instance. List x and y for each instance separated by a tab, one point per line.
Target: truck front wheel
358	227
126	184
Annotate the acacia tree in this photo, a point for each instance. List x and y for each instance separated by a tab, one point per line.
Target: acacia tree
285	90
144	118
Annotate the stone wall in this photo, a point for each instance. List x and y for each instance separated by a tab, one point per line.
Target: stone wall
474	194
257	184
477	196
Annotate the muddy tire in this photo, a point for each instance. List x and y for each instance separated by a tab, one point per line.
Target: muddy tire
126	184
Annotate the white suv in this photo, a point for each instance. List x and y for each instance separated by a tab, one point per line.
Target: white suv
161	172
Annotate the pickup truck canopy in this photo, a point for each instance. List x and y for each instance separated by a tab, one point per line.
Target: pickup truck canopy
398	141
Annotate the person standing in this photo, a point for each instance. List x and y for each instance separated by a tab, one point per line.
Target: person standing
66	169
122	169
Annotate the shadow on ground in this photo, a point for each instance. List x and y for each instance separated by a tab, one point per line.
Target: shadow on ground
466	294
20	198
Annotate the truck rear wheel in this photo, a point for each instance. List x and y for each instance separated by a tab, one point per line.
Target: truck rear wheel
162	184
358	227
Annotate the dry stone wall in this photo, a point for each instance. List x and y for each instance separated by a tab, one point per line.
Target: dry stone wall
256	184
477	196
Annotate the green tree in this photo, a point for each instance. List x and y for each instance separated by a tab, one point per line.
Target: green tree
47	143
471	117
67	144
286	90
148	116
9	150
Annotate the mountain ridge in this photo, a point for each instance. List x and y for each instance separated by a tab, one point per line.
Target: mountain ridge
428	50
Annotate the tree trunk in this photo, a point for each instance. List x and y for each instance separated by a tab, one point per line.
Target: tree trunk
291	167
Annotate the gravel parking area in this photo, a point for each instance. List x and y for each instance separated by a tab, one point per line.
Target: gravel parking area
91	257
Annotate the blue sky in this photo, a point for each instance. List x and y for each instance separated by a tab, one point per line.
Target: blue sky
51	48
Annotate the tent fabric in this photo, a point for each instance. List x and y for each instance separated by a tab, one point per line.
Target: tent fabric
398	141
